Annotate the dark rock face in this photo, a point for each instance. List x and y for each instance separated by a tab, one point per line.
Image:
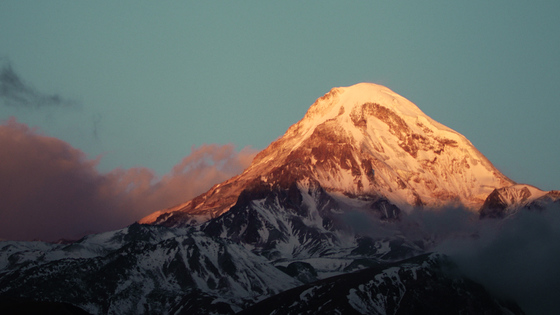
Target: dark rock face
493	206
386	210
266	217
302	271
507	201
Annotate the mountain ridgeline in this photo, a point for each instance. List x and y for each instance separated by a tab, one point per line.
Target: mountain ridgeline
322	221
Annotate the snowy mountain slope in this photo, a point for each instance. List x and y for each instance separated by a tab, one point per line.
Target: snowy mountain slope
140	269
507	201
146	269
424	284
304	221
363	140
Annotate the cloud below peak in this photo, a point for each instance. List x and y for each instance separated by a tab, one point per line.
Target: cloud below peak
52	190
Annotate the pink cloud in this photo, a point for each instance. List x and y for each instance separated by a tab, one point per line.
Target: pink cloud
50	190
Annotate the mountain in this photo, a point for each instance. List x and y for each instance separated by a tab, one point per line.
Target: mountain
360	154
332	204
146	269
386	289
507	201
362	142
139	269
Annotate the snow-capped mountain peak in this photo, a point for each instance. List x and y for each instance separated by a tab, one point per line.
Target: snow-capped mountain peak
368	124
363	140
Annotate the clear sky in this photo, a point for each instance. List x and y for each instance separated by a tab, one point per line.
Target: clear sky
140	83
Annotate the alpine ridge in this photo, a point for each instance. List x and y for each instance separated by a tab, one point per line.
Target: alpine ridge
361	142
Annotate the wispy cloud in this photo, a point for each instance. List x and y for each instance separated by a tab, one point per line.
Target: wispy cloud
51	190
16	92
96	121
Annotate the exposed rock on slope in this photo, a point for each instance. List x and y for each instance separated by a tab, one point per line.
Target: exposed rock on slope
507	201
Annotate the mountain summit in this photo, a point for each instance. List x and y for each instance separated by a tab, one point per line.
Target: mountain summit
362	142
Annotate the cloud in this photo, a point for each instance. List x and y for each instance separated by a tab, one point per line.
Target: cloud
15	92
440	224
418	225
516	258
51	190
96	121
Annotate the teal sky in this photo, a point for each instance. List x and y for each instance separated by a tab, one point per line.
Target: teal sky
141	82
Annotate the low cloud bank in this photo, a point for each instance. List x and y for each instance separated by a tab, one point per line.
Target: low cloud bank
517	258
51	190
